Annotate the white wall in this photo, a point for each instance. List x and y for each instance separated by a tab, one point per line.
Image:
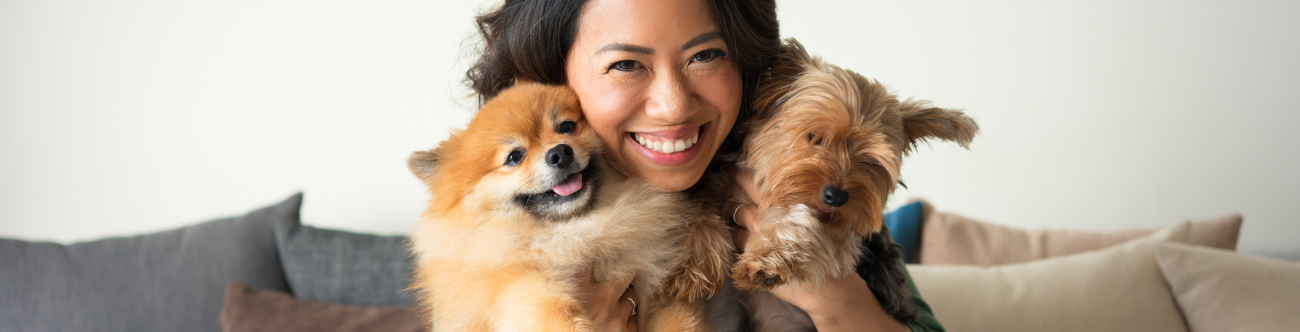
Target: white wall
125	117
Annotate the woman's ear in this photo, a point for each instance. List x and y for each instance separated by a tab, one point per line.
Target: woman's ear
424	164
920	121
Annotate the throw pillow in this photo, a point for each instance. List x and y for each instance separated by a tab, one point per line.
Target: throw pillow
248	310
1116	289
904	224
167	281
1219	290
343	267
952	239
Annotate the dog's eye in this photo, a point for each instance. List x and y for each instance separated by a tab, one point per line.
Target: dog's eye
812	138
566	127
869	162
514	158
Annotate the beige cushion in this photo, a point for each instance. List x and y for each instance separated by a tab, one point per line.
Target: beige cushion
1219	290
952	239
1115	289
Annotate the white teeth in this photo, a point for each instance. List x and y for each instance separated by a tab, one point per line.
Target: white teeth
667	147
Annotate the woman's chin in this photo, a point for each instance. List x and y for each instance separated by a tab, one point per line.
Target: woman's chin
671	181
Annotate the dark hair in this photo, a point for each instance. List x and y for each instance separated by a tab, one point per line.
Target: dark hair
530	39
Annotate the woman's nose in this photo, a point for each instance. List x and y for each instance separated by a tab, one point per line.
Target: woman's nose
671	99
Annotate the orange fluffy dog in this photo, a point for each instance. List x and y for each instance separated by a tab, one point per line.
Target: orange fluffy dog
523	200
826	146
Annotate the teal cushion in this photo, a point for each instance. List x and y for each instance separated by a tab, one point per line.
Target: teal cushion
904	226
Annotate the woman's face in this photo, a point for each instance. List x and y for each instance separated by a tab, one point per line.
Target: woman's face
656	82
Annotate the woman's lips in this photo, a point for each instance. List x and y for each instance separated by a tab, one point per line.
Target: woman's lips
668	148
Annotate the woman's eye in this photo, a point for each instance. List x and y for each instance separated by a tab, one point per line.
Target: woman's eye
514	158
566	127
708	55
625	65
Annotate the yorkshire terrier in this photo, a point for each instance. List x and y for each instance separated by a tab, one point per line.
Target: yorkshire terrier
524	200
825	146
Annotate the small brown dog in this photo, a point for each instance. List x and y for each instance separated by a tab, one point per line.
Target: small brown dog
523	200
826	146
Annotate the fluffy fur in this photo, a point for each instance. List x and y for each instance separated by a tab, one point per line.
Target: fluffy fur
826	146
499	245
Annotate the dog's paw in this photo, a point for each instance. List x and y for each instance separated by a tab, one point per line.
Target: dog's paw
765	270
750	274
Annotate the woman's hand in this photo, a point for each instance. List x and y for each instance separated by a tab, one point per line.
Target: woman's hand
607	302
844	304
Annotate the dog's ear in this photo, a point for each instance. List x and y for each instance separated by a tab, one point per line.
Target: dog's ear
921	121
424	164
779	78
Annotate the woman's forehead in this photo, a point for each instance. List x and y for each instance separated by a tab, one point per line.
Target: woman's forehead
643	26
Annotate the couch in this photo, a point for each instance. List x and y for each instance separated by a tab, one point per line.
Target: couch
265	271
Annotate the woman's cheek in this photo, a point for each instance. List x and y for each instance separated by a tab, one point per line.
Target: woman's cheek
721	88
608	110
719	81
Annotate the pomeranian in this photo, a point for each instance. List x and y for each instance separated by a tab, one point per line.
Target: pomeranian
524	201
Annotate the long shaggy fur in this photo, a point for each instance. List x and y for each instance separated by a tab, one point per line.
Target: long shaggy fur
819	126
498	249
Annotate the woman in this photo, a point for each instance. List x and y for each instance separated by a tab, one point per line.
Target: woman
651	75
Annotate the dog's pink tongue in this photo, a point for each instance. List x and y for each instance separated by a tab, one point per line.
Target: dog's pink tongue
569	186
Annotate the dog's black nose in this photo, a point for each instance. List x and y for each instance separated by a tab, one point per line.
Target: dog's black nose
560	156
834	196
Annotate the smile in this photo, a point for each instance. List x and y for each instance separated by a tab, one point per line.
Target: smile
669	147
660	145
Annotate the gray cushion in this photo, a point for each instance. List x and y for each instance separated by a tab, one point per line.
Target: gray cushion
168	281
343	267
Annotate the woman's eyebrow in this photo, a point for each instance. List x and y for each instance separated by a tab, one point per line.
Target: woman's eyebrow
707	36
704	38
626	48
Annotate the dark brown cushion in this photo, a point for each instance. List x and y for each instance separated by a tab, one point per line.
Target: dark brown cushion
248	310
